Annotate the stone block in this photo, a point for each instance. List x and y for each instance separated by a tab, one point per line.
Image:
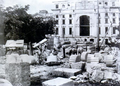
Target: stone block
58	82
90	67
108	75
109	60
84	56
92	58
74	58
18	73
78	65
13	58
66	72
97	75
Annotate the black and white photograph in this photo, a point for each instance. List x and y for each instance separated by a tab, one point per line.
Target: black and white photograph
59	42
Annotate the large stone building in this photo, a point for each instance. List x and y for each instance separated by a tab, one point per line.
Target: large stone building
82	19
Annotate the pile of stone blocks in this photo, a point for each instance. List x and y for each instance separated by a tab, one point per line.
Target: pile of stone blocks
66	72
58	82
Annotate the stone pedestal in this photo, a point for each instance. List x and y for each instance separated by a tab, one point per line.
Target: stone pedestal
17	72
66	72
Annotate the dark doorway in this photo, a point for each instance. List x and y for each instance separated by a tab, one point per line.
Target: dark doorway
84	26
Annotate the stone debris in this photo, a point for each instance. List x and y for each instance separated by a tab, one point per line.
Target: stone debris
78	65
58	82
96	76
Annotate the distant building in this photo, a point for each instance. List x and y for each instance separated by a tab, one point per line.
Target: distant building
44	14
79	19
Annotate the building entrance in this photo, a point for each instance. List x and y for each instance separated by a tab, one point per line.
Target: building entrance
84	25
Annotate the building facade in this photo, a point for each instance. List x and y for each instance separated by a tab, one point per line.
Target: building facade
84	19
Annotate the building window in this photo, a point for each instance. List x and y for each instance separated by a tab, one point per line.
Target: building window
70	21
63	32
56	31
106	20
113	3
56	21
92	40
56	16
99	2
106	29
113	20
57	6
99	30
113	14
99	14
63	6
63	21
99	21
70	31
106	3
106	14
63	16
70	15
114	30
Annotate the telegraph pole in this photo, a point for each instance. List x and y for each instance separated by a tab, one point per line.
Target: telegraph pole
98	47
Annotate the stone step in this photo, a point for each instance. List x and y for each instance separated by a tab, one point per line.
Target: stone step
58	82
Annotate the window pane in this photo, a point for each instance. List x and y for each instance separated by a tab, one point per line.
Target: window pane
56	31
63	21
114	30
56	16
70	15
70	21
56	6
70	31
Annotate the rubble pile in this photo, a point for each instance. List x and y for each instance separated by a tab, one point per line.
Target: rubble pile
100	67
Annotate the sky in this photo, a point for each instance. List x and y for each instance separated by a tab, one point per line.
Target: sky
35	5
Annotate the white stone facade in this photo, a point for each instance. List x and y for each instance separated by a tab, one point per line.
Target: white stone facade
79	18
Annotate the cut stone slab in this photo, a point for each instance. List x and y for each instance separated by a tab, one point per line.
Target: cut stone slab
66	72
78	65
58	82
